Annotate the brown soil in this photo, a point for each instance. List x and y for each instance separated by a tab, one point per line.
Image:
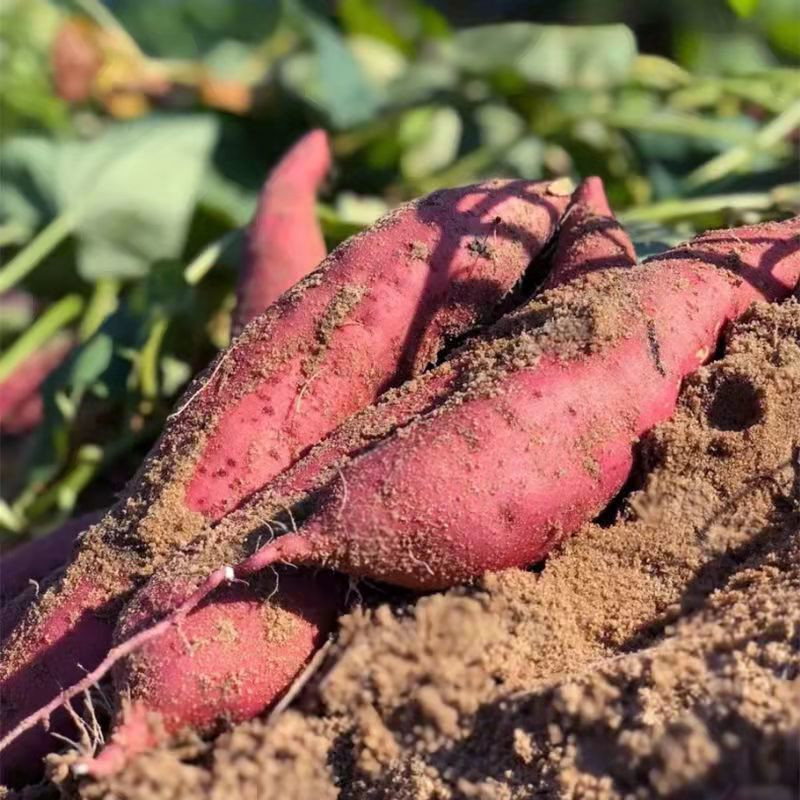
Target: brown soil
658	656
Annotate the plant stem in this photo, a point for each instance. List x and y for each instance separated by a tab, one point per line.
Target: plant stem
36	250
208	257
681	208
685	125
9	519
735	158
64	493
13	233
148	359
102	303
48	325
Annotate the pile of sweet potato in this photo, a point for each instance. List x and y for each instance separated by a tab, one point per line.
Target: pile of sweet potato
452	391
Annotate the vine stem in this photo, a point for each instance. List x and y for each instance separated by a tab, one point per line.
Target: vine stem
57	317
27	259
682	208
736	157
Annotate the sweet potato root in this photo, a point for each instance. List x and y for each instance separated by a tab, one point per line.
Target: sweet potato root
284	241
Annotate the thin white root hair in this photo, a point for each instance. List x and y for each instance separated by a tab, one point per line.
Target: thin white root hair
291	518
206	383
352	589
344	492
277	580
302	391
419	562
96	731
300	681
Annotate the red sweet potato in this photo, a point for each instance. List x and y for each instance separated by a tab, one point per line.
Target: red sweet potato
377	310
284	240
542	436
589	237
228	542
20	401
36	559
226	663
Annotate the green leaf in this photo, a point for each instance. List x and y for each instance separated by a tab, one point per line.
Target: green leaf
229	59
743	8
380	62
365	17
174	374
526	158
188	28
359	209
27	100
335	226
421	82
91	362
350	99
27	190
127	196
332	78
553	55
499	126
433	136
133	191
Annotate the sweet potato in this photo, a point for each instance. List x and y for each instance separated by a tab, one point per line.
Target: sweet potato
284	240
541	436
20	402
227	663
37	558
227	543
589	237
376	311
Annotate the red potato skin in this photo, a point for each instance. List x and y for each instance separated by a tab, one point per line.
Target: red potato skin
36	559
284	240
430	270
427	271
229	662
398	521
20	402
397	408
589	237
155	677
90	636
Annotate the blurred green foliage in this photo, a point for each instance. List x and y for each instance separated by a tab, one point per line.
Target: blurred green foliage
134	137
